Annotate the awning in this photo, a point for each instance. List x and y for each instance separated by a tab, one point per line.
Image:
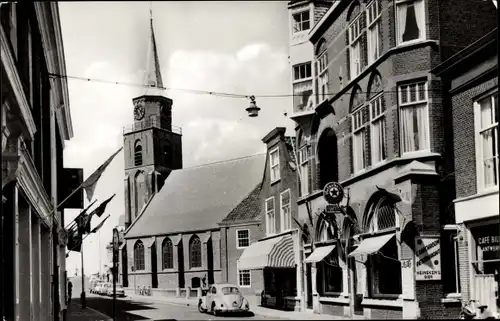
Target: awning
372	244
275	253
319	254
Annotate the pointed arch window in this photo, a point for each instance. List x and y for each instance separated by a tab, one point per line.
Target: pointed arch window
195	252
377	120
168	254
137	153
139	256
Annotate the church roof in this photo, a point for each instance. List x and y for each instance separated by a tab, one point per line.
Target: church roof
199	197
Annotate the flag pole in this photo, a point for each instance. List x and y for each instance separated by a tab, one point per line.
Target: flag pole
82	297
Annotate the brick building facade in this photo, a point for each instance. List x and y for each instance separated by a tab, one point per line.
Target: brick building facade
35	117
274	257
379	128
471	80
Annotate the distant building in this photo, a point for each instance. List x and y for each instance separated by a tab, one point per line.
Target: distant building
35	117
471	80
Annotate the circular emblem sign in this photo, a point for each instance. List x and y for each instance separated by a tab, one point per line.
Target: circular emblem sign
333	193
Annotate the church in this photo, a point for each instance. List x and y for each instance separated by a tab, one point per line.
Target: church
172	240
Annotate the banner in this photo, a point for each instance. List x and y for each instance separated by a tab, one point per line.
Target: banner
427	258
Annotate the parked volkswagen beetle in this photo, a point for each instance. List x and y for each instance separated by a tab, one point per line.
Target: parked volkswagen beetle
223	298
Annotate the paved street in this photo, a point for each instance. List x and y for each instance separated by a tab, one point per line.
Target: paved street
132	310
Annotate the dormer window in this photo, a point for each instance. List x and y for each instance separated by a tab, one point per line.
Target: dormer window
301	21
274	162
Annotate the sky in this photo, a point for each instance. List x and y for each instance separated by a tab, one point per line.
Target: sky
231	47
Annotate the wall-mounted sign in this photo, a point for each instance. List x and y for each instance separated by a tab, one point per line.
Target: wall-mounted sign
489	243
333	193
427	258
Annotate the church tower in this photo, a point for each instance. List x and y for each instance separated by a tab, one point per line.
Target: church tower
152	146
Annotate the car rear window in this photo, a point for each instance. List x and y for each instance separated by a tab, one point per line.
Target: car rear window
230	290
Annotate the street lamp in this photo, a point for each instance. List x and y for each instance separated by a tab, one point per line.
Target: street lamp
253	110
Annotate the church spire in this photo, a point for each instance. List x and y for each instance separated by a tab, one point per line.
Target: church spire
153	72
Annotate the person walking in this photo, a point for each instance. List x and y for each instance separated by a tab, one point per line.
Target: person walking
70	290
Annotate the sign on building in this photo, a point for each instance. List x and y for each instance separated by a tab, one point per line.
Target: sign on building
427	258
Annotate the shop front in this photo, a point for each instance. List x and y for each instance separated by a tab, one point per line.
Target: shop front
276	257
484	253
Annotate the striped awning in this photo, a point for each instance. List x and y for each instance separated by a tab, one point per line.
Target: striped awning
275	253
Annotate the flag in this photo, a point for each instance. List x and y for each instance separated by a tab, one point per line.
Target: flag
83	212
91	181
75	242
83	224
99	225
101	208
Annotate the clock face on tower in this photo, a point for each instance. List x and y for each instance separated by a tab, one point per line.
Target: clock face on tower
139	111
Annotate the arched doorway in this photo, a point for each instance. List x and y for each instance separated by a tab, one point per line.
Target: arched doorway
328	158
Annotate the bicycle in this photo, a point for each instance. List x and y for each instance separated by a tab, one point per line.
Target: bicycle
470	311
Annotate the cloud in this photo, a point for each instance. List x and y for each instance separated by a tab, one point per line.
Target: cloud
215	127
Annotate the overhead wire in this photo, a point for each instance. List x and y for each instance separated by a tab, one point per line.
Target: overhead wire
207	92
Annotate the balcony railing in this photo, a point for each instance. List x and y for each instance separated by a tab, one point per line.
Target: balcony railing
149	122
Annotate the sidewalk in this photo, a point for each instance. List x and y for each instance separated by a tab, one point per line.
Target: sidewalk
258	310
76	313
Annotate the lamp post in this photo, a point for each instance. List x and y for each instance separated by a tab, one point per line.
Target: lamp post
82	296
113	270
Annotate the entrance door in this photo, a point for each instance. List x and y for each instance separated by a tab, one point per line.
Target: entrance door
309	301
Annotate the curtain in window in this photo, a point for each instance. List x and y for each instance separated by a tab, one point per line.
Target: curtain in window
410	21
355	59
488	142
373	43
414	128
422	129
378	140
359	150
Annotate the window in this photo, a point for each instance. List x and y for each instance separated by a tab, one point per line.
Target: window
286	214
302	71
487	115
168	254
322	67
377	130
383	215
195	252
137	153
139	256
331	275
270	218
304	154
244	278
242	238
358	141
355	47
325	231
373	21
410	20
385	270
414	117
275	165
301	21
